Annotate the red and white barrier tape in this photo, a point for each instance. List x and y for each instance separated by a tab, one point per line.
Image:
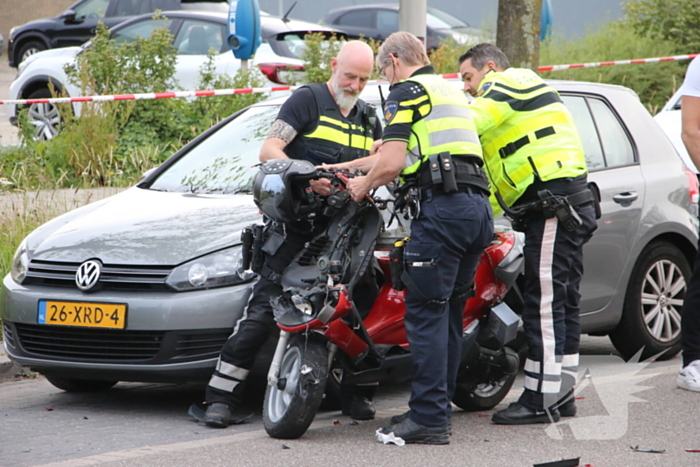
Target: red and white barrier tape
228	92
617	62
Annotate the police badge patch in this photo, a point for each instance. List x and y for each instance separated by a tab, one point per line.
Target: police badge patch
484	88
390	109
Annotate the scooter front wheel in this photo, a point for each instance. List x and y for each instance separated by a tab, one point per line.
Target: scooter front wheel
291	405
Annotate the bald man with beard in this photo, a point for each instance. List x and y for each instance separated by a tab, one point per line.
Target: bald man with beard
299	132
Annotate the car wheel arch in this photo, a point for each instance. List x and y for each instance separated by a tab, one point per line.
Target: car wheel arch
40	82
29	37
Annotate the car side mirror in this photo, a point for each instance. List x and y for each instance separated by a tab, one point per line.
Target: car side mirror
68	16
148	172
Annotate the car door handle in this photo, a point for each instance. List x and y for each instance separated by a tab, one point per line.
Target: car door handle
626	198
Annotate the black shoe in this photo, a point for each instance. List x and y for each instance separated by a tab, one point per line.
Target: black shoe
400	418
567	408
359	408
413	433
517	414
217	415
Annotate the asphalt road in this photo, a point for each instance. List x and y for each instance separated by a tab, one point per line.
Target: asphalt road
620	405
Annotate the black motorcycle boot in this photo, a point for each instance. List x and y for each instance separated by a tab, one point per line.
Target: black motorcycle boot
518	414
358	408
356	401
217	415
566	406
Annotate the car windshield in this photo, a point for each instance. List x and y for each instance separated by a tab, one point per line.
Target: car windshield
223	162
438	19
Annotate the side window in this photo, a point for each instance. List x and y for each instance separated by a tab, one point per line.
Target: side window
91	9
362	19
587	130
197	37
616	144
387	21
141	29
126	8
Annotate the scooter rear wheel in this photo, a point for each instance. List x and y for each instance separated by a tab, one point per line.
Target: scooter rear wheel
486	395
291	405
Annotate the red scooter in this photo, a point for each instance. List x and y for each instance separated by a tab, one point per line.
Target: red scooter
341	318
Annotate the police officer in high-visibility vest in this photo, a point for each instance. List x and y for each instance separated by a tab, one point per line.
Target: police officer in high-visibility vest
321	123
536	165
430	141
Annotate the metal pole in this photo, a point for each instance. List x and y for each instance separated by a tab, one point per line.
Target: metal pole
244	65
412	14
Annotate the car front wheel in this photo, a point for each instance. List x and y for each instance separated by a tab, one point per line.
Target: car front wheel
29	49
79	385
45	118
651	317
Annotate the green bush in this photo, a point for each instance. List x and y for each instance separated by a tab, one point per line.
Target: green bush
112	143
655	83
676	21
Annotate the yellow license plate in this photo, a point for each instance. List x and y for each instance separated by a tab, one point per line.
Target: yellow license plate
86	314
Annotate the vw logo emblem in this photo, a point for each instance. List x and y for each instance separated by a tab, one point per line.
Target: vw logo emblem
88	274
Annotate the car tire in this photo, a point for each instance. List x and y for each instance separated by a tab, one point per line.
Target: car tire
28	49
651	316
79	385
45	118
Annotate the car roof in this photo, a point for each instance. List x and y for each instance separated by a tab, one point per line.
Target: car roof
371	93
271	24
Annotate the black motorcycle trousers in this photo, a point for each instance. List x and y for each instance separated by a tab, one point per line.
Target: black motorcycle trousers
253	329
447	241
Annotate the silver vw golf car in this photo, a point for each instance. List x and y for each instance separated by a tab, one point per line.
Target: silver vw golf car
147	285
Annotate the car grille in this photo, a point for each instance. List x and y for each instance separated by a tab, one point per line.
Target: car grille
89	344
201	345
127	278
117	346
8	335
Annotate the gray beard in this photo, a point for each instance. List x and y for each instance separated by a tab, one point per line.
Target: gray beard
344	101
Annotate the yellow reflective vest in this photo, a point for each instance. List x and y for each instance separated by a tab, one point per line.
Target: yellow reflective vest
446	124
522	121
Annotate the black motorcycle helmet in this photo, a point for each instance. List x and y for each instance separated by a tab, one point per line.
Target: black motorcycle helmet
281	189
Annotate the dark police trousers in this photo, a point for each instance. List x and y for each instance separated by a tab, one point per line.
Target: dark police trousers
447	240
553	271
253	329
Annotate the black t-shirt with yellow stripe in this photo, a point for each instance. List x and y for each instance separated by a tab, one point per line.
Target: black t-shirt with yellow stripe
300	111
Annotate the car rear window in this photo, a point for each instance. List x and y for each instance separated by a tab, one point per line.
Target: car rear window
291	44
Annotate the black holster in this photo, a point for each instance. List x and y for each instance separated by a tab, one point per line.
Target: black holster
396	264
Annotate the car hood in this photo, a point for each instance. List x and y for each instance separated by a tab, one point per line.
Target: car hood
68	52
144	227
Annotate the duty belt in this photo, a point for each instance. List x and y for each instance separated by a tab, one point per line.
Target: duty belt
512	147
464	165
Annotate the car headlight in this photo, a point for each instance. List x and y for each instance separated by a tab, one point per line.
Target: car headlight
218	269
20	263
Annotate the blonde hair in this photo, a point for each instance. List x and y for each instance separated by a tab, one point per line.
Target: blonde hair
405	46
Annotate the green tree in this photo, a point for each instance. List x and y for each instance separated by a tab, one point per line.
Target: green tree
677	21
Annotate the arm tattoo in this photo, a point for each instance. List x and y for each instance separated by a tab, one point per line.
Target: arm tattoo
282	130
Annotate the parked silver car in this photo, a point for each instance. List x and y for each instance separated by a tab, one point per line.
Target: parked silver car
146	285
